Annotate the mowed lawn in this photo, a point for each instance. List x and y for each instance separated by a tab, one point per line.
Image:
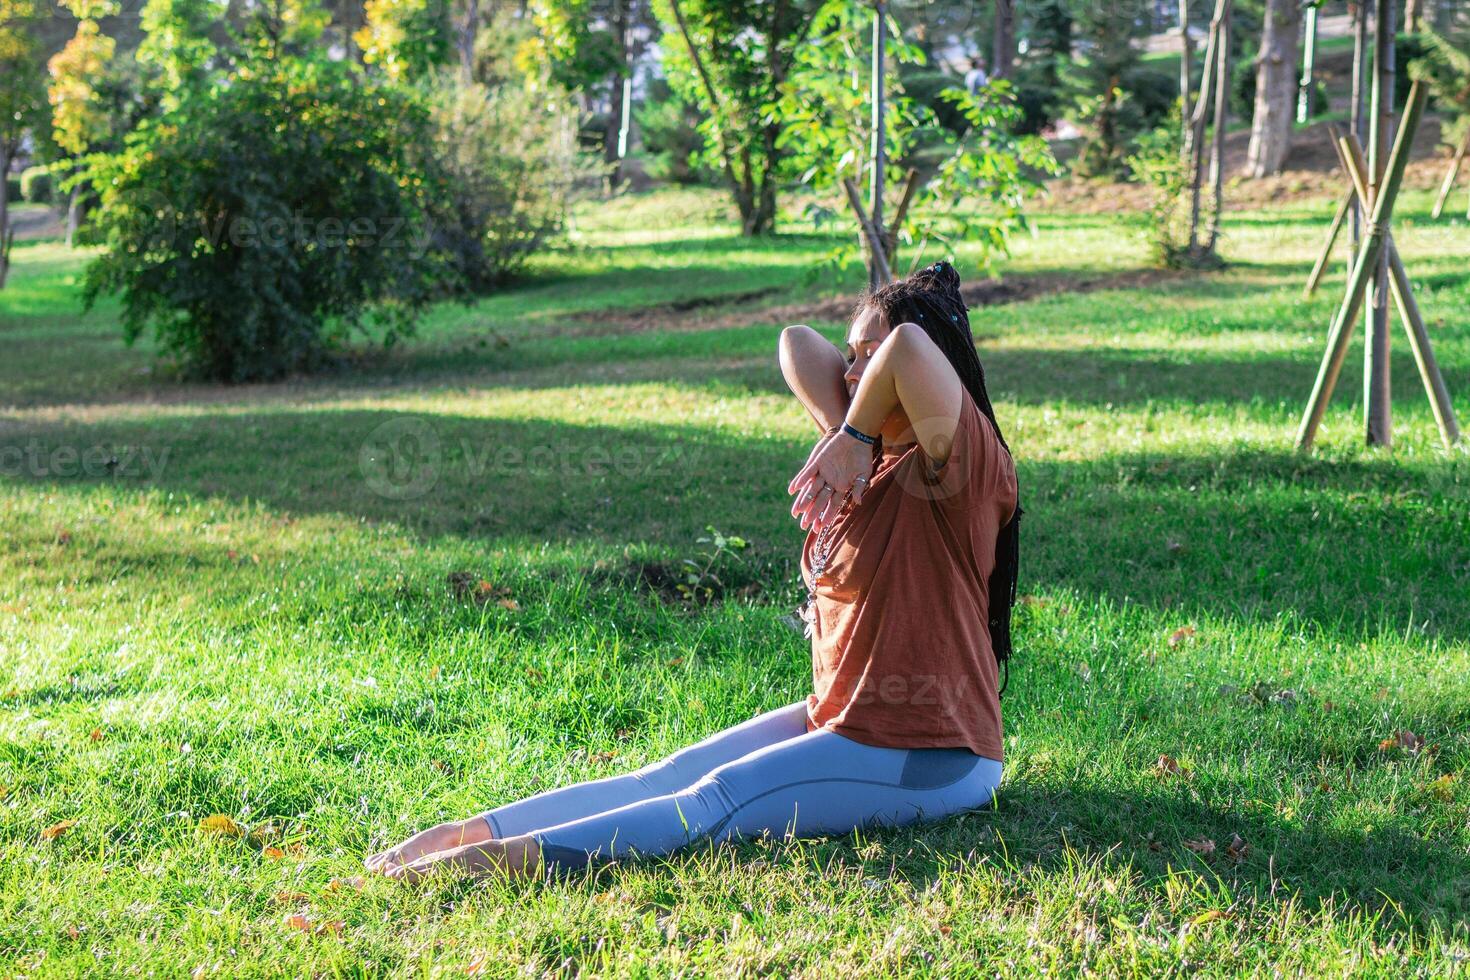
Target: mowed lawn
337	610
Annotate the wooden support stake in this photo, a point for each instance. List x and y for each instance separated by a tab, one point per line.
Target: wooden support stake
890	237
1449	178
1408	308
1363	269
875	241
1413	321
910	185
1315	279
1333	230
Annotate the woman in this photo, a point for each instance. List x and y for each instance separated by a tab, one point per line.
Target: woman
910	502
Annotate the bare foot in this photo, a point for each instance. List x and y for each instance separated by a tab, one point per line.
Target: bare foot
514	857
445	837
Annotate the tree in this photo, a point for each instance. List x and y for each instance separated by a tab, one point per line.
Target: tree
407	39
22	99
976	184
1097	82
266	218
590	44
1003	40
505	163
80	118
176	47
1276	88
731	58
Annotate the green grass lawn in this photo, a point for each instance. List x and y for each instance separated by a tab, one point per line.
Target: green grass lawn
242	615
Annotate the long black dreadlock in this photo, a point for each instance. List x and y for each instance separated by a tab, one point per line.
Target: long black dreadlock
931	298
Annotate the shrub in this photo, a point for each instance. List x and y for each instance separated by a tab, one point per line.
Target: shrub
265	220
1243	92
1154	94
13	192
669	130
1158	162
36	185
507	161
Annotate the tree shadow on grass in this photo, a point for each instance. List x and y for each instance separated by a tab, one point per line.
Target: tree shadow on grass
1235	533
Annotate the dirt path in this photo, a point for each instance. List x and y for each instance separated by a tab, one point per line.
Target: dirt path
723	313
33	223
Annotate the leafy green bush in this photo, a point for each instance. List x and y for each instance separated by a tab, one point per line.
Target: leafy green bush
1157	160
506	162
1154	94
265	220
36	185
13	192
669	130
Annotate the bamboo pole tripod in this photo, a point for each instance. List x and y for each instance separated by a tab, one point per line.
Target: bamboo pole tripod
1376	248
1373	188
1449	178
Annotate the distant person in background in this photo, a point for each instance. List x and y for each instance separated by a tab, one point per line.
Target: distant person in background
975	78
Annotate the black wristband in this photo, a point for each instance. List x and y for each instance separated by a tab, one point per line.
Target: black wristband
870	440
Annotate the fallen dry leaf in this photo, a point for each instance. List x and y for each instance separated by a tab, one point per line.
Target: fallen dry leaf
222	824
273	853
289	898
265	833
1210	916
355	883
1168	766
1201	845
434	673
1180	635
57	829
477	965
95	735
1405	740
1237	849
510	604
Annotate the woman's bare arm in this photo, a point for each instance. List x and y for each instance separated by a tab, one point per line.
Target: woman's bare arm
813	369
910	372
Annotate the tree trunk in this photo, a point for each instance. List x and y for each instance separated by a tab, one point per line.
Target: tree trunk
73	216
5	234
1003	46
613	131
468	28
1377	414
1275	89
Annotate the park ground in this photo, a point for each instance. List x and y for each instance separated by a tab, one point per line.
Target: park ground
237	654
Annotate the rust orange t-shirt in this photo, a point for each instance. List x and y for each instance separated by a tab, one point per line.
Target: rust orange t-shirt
901	653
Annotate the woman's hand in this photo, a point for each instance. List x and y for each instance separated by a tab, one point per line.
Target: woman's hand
838	464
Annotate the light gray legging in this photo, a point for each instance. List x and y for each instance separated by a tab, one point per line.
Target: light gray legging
765	775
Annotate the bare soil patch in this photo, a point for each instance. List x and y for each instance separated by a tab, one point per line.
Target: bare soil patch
1311	173
723	313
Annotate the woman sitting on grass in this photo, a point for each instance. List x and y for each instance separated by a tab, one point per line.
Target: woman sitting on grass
910	502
